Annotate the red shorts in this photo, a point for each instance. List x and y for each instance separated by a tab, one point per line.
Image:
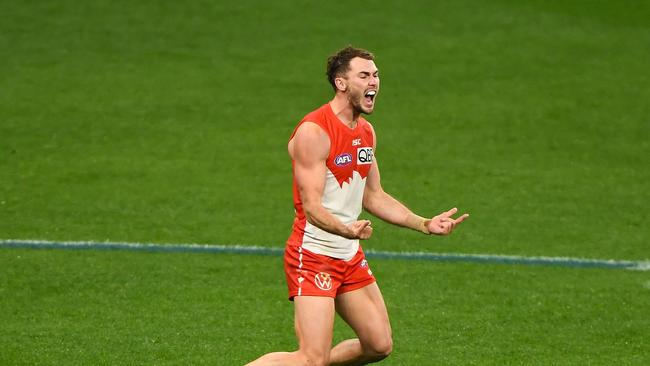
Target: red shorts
311	274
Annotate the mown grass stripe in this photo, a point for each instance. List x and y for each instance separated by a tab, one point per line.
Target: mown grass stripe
245	249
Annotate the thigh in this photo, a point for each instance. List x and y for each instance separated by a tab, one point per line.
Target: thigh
365	311
314	320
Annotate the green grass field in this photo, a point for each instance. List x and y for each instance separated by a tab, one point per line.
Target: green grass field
167	122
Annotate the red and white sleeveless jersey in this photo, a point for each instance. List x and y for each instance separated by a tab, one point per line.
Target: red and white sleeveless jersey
348	163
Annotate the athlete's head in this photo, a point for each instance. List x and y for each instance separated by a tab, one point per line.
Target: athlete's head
352	71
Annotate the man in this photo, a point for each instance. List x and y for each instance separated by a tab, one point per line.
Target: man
335	175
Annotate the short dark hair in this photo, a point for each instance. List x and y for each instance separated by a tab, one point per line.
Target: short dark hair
339	63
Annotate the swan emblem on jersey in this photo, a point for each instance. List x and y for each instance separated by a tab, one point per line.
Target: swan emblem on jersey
323	281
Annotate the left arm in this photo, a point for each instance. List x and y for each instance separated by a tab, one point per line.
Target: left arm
384	206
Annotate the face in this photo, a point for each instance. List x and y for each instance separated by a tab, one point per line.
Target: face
362	84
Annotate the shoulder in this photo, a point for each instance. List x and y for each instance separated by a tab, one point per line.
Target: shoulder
309	129
309	139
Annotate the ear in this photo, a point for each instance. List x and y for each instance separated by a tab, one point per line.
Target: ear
341	84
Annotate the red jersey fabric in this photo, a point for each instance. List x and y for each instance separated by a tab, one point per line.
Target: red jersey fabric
348	164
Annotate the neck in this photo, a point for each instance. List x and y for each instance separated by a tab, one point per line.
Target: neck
343	109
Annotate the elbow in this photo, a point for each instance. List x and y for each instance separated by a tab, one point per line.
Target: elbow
367	205
310	211
370	200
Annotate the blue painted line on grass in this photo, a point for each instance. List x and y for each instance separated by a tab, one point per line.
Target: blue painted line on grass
513	259
142	247
276	251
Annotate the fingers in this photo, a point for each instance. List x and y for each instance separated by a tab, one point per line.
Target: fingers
449	213
461	219
364	224
361	229
358	226
444	224
366	233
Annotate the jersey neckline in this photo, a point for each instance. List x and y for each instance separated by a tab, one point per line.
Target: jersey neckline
345	126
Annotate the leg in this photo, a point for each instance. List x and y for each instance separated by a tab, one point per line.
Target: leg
314	317
364	310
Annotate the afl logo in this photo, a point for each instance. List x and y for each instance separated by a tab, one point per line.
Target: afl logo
343	159
364	155
323	281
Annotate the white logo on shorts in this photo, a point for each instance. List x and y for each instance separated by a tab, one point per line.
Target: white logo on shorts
323	281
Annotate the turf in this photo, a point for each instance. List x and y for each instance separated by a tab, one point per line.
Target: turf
167	122
97	307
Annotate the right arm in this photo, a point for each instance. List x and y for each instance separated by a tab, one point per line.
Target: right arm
309	149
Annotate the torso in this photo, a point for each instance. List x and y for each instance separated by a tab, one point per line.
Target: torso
348	164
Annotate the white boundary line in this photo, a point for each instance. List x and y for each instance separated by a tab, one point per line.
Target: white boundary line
245	249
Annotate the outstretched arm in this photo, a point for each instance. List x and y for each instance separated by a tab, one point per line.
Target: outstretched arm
387	208
309	149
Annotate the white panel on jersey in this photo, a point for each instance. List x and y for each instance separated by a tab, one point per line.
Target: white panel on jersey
345	203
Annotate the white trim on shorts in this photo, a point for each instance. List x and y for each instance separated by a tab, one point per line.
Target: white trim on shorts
300	277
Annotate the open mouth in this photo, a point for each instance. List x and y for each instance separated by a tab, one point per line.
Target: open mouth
370	96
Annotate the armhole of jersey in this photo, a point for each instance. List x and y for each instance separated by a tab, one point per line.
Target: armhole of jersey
372	135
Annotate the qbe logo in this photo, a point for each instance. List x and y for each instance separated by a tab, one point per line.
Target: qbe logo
364	155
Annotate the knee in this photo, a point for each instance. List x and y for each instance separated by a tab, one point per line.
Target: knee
384	349
379	349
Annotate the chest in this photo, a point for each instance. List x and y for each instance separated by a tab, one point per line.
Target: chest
350	153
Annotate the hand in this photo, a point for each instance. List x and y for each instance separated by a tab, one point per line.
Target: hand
444	224
360	230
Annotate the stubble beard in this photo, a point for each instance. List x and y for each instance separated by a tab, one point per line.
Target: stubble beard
356	100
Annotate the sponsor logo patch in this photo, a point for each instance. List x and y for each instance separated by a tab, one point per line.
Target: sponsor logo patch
343	159
364	155
323	281
356	142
